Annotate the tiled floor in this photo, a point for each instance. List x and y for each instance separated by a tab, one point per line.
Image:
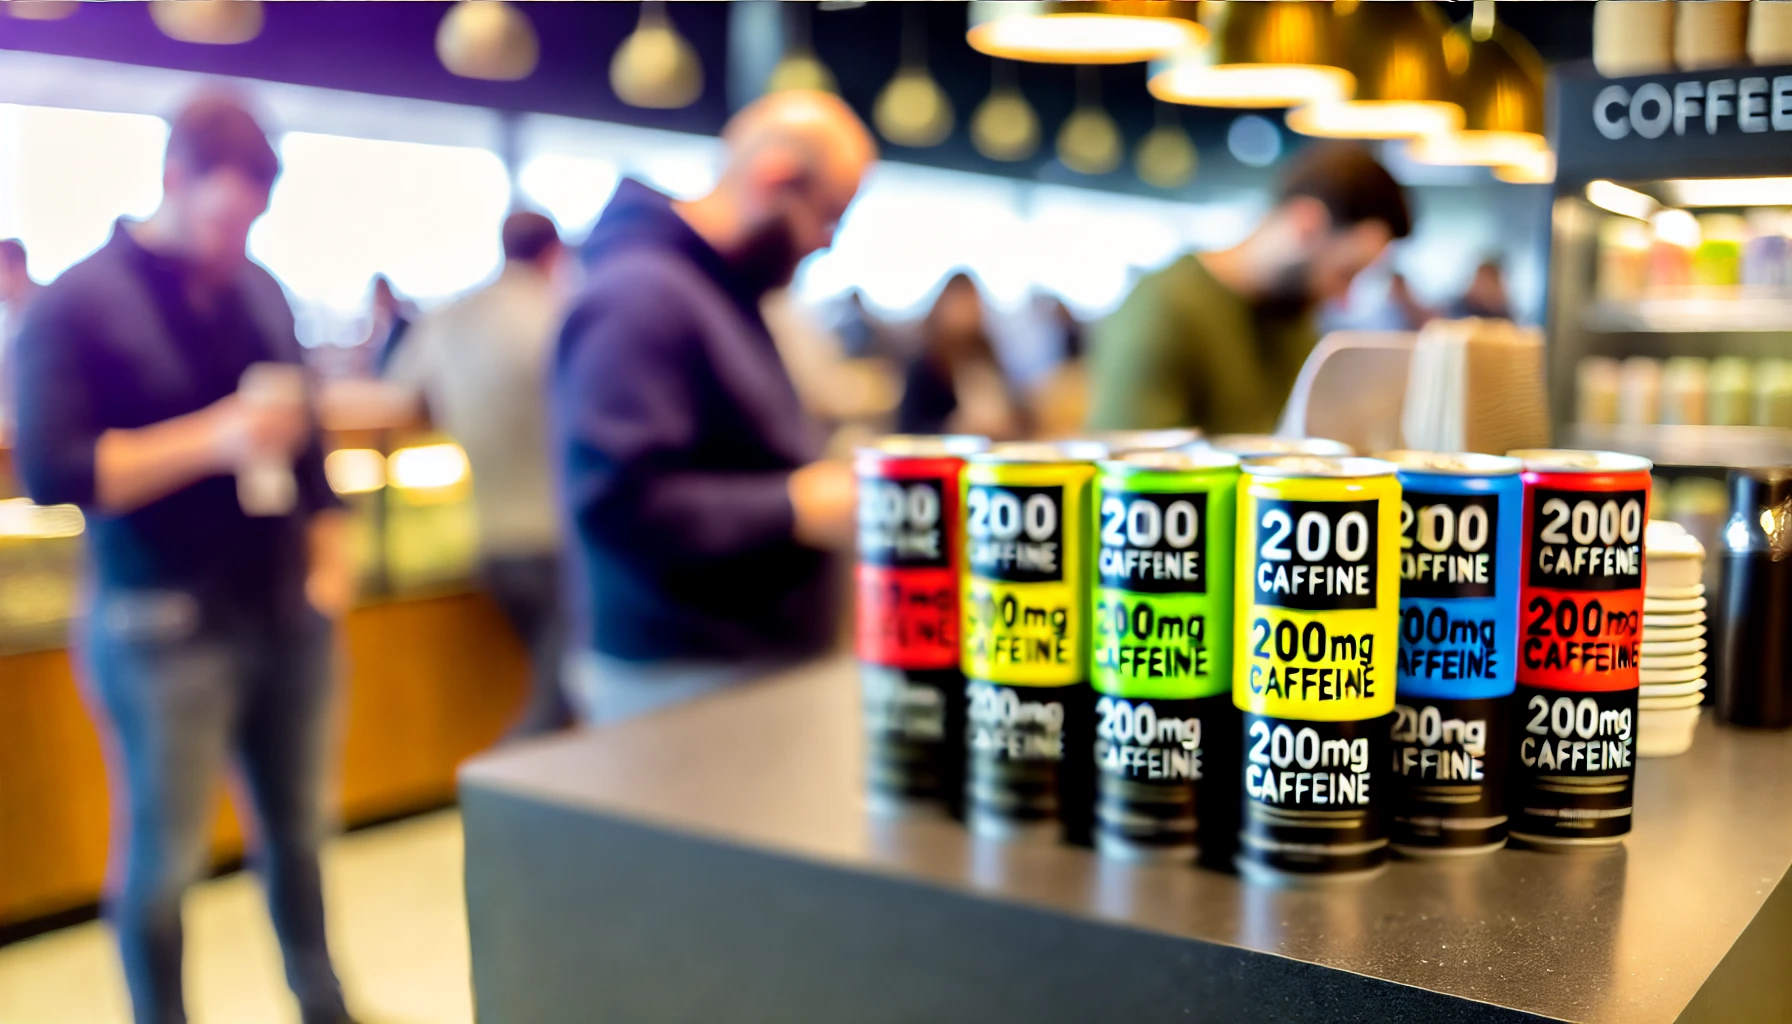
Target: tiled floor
397	927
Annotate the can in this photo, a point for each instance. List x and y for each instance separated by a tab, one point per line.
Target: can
1459	526
1579	642
911	541
1029	709
1257	446
1121	442
1318	618
1162	646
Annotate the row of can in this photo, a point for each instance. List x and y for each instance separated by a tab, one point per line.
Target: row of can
1281	655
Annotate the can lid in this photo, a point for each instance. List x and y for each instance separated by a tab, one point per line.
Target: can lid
1042	452
924	446
1179	461
1254	445
1122	441
1334	466
1575	460
1452	463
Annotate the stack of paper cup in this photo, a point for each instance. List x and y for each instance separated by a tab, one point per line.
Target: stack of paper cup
1673	659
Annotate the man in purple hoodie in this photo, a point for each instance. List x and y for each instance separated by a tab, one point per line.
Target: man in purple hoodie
699	512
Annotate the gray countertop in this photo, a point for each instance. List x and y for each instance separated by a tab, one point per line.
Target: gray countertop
1630	934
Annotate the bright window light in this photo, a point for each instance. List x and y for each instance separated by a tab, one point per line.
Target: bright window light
66	175
1731	191
427	466
571	189
1626	202
355	470
346	209
21	518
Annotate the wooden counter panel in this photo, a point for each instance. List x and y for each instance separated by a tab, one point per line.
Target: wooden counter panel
428	682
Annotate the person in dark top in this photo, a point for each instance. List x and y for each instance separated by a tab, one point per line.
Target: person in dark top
1486	294
956	385
206	633
698	511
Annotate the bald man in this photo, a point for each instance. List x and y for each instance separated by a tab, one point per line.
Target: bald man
699	515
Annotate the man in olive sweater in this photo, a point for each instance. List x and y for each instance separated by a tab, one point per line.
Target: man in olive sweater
1215	340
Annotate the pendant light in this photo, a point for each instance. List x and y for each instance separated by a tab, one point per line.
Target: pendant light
1004	126
1166	156
41	10
799	68
1500	88
655	67
1395	48
1089	141
1108	32
213	22
1537	169
487	39
1278	53
912	110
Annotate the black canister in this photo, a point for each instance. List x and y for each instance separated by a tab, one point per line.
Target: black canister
1753	624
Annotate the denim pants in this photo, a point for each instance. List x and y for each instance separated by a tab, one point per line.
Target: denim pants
527	589
188	686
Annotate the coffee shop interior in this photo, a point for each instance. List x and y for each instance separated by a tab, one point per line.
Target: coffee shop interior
475	478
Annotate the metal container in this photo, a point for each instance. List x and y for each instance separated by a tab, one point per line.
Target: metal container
911	543
1459	526
1573	769
1753	633
1162	648
1317	622
1030	712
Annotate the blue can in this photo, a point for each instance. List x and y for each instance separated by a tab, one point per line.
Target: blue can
1459	552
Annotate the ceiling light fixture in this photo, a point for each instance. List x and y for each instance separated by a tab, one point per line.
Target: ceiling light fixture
1625	202
1107	32
1395	49
1004	126
655	67
1499	85
1279	53
912	110
487	39
1089	141
212	22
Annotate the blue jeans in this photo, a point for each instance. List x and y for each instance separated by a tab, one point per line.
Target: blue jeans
188	685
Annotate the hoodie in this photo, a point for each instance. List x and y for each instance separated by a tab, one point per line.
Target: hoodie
675	428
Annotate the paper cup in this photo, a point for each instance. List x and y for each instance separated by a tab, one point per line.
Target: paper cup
1653	690
1671	634
1658	606
1690	700
1661	663
1665	733
1670	648
1672	593
1675	620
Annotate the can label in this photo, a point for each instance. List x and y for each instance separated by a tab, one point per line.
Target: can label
1310	795
1576	757
907	583
1319	597
1458	592
1448	759
1025	648
1581	611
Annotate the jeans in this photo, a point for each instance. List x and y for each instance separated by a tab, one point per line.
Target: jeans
187	684
527	588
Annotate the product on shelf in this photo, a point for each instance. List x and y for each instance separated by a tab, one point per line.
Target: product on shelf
1754	620
1765	259
1029	722
1318	622
1639	390
1717	262
1684	386
1730	399
1672	666
1162	652
911	544
1596	390
1773	393
1459	522
1580	622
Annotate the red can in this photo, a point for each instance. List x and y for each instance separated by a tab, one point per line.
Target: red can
911	546
1580	632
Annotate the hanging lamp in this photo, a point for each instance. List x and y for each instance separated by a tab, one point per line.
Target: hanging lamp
1004	126
487	39
1500	88
40	10
1395	48
1537	169
1166	156
1279	53
912	110
1107	32
1089	140
655	67
213	22
799	68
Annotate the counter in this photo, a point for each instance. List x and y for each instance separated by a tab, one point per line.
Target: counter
716	862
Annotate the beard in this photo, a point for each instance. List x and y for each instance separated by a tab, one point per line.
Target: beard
1290	294
766	259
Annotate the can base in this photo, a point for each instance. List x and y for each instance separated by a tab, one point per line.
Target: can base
1556	844
1444	852
1115	848
1262	874
1008	830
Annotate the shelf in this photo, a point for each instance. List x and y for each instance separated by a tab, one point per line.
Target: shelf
1692	315
1685	445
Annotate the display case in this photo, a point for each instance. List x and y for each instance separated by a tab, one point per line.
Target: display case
1670	300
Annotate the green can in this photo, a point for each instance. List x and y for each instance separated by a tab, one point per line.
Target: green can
1161	652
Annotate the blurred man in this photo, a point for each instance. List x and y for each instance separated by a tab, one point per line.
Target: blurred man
1215	340
17	289
481	367
699	516
207	633
1486	294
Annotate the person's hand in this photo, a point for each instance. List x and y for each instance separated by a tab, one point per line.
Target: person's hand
249	431
330	574
825	497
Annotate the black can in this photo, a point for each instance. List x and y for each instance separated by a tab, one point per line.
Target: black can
1754	606
1449	759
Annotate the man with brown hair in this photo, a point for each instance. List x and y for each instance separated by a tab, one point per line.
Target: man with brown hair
207	633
